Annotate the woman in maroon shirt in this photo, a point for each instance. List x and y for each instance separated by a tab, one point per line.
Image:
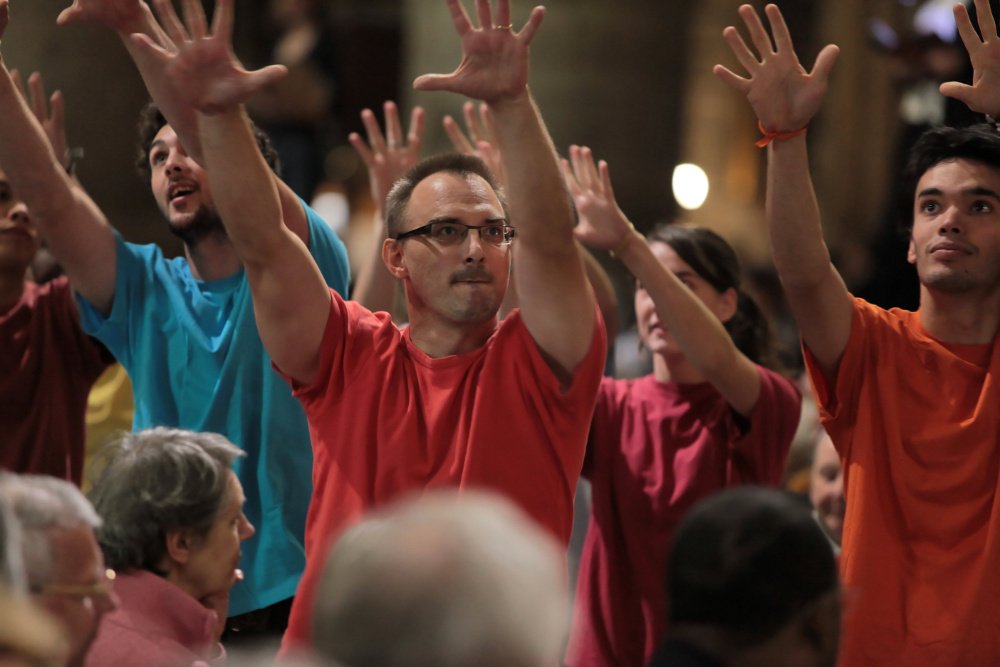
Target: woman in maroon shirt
708	416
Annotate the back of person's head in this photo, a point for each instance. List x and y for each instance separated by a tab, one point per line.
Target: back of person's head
460	164
12	575
155	481
41	504
715	261
978	143
152	120
748	563
445	580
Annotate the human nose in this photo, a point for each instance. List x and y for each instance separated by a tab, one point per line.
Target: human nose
18	212
174	162
950	221
475	245
246	528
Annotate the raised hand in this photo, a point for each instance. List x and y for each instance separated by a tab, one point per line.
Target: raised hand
203	70
494	64
983	95
119	15
49	111
388	156
782	93
602	224
481	139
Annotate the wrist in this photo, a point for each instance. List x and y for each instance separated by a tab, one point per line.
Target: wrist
625	242
777	135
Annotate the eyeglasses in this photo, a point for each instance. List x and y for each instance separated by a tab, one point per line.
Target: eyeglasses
454	233
100	588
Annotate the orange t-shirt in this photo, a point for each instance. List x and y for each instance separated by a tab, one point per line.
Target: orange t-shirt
917	423
386	419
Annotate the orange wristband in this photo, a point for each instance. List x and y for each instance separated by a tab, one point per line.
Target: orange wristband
774	135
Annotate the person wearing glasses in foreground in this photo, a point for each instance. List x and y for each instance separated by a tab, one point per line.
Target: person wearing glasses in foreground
910	399
457	399
62	561
173	521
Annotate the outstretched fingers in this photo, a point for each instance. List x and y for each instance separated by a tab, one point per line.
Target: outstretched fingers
484	13
970	39
415	136
779	30
984	17
743	54
758	35
730	79
824	62
459	18
194	17
527	33
222	21
170	22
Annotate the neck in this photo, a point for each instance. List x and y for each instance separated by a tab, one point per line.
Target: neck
11	289
675	368
965	319
438	338
212	258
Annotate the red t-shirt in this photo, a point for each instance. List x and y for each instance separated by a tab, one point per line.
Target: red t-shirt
47	366
387	419
655	450
917	422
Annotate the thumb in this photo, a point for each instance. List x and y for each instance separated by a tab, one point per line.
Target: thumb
959	91
69	15
268	75
431	82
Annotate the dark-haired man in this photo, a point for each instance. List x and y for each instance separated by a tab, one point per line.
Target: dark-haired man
184	328
458	399
910	399
751	580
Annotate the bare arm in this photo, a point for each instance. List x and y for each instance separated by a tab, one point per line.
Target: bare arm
785	98
73	226
547	263
702	337
129	17
387	158
291	300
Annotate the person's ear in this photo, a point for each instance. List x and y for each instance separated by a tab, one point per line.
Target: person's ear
180	545
392	257
727	305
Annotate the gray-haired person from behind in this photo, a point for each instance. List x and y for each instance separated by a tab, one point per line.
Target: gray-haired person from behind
65	571
443	580
173	524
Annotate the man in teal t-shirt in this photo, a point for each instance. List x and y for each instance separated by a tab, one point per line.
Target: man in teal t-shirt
184	329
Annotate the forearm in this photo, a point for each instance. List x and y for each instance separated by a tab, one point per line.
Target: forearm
793	219
539	201
35	173
375	288
699	333
242	184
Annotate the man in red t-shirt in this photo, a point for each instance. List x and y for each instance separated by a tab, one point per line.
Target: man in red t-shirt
909	399
457	399
47	363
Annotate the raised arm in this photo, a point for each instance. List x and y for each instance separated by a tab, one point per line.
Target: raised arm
387	157
983	95
72	225
785	98
134	17
291	300
547	265
699	332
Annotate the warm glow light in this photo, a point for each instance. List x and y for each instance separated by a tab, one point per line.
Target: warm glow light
690	184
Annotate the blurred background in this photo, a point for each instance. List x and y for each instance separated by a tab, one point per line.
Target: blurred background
630	79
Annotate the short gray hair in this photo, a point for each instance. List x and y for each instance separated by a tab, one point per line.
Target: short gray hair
12	575
40	504
443	581
155	481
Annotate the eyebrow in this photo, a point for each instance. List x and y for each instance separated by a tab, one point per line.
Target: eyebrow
157	143
978	191
489	221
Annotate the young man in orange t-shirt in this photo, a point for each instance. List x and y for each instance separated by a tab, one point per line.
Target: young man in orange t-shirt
910	399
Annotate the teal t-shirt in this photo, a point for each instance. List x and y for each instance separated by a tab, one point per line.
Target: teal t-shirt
197	362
